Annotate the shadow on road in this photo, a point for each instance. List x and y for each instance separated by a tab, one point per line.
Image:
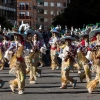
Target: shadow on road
70	92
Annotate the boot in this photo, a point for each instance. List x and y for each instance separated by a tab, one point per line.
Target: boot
57	68
20	92
32	82
63	87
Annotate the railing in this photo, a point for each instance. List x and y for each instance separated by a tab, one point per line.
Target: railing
23	17
23	8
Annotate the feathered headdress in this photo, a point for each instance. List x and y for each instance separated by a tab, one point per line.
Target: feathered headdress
40	27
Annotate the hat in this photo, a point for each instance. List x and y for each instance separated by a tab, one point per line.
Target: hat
76	35
84	34
54	30
68	37
94	32
7	36
29	31
39	34
20	35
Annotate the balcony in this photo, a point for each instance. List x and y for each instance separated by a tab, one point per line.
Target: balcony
23	17
23	8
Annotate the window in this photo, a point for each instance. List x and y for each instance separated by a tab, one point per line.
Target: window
58	4
40	3
45	19
41	19
27	22
64	4
20	23
52	12
45	27
22	13
52	4
45	3
58	12
27	13
51	20
21	3
41	11
27	5
45	12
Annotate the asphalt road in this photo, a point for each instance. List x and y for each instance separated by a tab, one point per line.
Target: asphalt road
47	88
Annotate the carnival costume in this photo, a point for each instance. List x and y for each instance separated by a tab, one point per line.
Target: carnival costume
54	52
83	52
1	64
96	62
67	64
17	66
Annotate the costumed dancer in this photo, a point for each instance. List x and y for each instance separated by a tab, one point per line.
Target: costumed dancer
43	52
67	63
6	44
95	46
28	49
42	47
1	56
32	62
54	52
37	43
17	66
82	57
1	63
32	57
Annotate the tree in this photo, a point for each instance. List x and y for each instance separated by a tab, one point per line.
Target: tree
79	12
5	23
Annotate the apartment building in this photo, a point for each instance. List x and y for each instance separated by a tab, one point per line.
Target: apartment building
26	12
8	9
39	12
48	9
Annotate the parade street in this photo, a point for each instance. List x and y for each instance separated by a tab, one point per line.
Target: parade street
47	88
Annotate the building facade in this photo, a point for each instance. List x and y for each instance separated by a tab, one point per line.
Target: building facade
48	9
39	12
26	12
8	9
